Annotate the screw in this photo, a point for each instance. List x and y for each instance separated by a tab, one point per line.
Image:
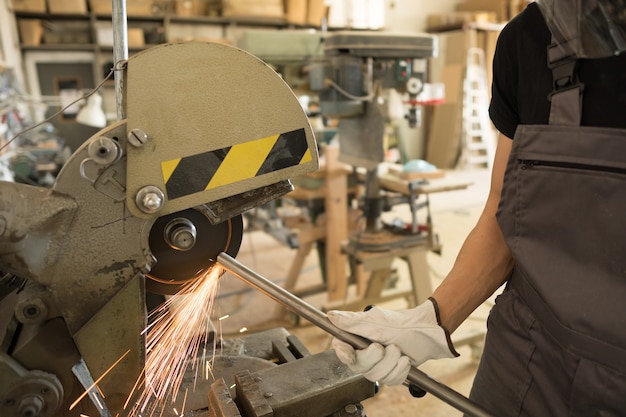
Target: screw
137	137
31	311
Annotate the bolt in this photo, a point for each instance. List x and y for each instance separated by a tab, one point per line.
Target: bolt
31	311
30	406
137	137
351	409
150	199
268	395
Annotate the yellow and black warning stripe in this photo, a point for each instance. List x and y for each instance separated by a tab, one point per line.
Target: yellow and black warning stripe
209	170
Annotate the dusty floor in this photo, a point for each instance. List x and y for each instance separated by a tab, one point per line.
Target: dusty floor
454	214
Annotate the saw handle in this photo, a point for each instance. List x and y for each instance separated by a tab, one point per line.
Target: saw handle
318	318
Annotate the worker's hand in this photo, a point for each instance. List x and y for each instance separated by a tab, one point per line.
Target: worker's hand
411	337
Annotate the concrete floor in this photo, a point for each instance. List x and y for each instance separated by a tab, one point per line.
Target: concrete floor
454	213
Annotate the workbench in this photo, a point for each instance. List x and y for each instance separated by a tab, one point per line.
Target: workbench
346	263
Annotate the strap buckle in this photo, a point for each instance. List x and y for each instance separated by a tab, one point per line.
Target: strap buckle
564	66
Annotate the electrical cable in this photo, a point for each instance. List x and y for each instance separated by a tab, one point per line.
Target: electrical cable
351	96
118	67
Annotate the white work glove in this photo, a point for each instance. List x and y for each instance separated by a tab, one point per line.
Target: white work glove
400	339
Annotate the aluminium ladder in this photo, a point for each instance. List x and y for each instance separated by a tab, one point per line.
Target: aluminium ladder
478	138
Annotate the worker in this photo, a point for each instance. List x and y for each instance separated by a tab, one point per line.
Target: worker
551	232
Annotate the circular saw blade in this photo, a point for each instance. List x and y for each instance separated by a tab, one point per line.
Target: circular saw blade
175	267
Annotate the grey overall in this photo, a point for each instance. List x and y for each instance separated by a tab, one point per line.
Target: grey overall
556	344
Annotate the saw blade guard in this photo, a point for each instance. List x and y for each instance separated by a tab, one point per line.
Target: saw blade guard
208	121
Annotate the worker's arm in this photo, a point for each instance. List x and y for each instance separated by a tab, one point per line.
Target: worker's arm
409	337
484	261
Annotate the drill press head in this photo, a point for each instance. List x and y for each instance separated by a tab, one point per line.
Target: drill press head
351	80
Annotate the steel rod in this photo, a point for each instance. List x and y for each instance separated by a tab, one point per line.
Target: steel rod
120	54
318	318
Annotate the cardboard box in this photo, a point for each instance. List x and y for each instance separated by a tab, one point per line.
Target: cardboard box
31	31
133	7
190	8
33	6
499	7
139	8
296	11
517	6
104	36
253	8
439	22
136	38
316	11
101	7
67	6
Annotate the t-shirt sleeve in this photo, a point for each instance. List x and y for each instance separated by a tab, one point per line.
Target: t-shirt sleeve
503	108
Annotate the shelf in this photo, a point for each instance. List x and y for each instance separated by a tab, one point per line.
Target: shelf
159	25
47	16
60	47
259	21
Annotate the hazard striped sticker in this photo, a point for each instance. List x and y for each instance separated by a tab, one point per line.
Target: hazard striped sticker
210	170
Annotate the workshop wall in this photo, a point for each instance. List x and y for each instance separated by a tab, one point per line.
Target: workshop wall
437	139
467	34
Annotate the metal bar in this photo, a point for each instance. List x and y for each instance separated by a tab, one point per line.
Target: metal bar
120	54
318	318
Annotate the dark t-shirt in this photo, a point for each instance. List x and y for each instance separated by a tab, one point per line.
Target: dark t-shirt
522	80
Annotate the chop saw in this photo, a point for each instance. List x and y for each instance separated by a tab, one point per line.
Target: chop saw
144	206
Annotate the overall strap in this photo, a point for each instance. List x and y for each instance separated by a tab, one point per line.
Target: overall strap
566	96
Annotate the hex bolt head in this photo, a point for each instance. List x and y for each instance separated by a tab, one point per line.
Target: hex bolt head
30	406
151	202
150	199
137	137
31	311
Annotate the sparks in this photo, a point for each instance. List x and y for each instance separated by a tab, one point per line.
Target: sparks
179	329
